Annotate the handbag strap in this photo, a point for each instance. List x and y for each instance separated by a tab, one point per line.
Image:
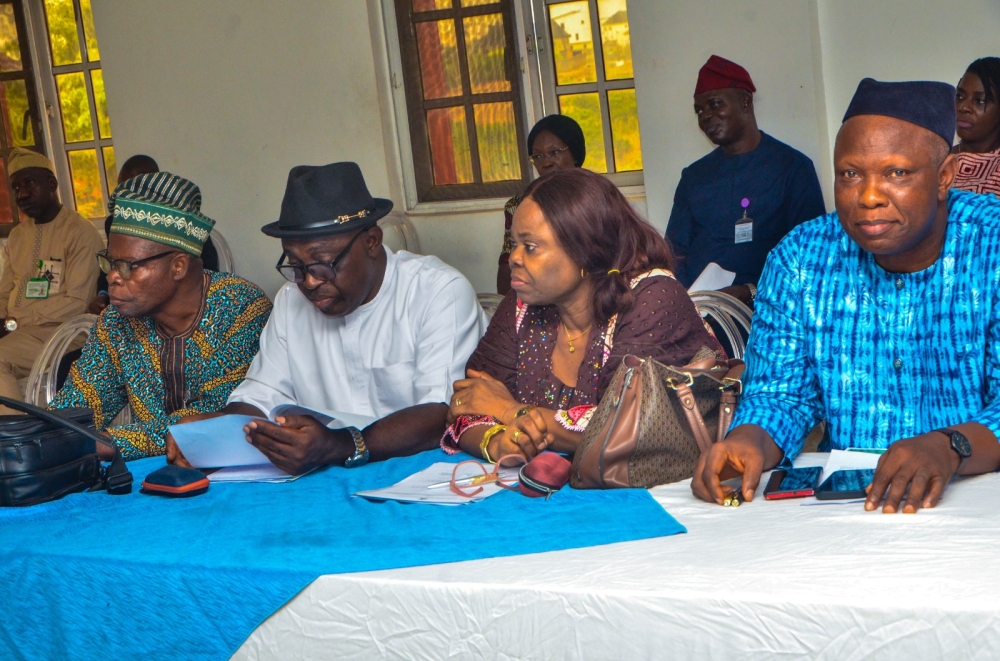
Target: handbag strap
117	478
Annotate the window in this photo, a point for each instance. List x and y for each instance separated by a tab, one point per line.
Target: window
464	105
18	102
71	84
582	66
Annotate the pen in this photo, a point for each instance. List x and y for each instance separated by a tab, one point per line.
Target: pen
733	500
465	481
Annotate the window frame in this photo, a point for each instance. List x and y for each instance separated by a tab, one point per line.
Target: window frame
418	162
546	90
46	72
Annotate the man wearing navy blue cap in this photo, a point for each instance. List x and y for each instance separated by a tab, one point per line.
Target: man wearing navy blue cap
882	318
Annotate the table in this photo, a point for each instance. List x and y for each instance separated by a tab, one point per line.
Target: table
771	579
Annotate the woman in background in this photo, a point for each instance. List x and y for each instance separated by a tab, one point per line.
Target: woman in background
554	143
977	103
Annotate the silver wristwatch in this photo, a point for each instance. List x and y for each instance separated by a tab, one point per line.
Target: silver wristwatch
10	325
361	454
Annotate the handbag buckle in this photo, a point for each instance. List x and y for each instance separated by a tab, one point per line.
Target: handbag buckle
688	381
730	383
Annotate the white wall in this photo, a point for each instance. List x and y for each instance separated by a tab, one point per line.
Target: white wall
772	39
233	94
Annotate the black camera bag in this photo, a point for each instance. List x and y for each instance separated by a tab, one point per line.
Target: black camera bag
46	455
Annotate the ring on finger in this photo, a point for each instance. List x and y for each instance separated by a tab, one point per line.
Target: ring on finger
458	402
517	433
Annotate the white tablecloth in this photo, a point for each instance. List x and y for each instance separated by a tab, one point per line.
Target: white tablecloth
770	579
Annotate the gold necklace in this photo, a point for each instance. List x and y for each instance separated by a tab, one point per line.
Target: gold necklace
569	340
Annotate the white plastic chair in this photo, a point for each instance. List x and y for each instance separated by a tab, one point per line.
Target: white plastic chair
43	382
489	303
398	232
730	314
226	263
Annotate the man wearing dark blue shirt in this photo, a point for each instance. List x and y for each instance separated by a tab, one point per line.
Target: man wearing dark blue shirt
735	204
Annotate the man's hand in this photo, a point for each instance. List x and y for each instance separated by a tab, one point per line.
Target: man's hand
97	305
299	443
481	394
174	455
741	292
923	463
746	451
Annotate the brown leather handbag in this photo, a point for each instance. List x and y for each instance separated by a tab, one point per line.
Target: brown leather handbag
653	422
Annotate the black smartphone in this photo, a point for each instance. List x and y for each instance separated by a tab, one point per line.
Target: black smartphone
846	484
792	483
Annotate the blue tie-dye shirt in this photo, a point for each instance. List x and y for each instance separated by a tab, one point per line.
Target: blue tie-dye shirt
880	356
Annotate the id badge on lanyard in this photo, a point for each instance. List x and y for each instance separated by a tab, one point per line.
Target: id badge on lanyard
744	226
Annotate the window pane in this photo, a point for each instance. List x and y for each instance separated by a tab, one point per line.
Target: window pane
497	137
476	3
439	68
6	211
103	121
110	168
572	43
86	183
62	32
615	39
430	5
484	46
75	107
10	49
451	158
586	110
17	119
89	32
625	130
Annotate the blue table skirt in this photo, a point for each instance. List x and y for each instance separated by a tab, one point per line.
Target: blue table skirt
96	576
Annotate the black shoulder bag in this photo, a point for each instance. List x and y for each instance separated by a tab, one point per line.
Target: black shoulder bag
49	454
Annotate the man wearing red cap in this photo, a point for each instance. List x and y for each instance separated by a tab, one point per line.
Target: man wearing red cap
734	205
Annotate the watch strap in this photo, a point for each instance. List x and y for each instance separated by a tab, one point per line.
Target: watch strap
361	454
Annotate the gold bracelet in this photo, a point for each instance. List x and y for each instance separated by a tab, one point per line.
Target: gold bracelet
487	437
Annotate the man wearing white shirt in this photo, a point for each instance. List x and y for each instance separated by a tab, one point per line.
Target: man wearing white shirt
358	331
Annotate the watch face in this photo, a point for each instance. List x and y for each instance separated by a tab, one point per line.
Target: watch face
961	445
11	325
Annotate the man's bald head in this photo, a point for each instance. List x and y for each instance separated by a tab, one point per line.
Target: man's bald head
137	165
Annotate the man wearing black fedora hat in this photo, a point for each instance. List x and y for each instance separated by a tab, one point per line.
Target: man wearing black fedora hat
371	337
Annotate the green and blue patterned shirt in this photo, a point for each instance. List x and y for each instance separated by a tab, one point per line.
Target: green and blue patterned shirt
126	362
880	356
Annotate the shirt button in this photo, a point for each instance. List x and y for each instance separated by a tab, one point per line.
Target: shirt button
898	363
899	283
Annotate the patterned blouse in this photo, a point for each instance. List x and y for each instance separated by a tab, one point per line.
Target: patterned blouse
127	361
978	173
663	324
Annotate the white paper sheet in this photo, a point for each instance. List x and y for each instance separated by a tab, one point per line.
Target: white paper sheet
431	486
714	277
263	473
844	460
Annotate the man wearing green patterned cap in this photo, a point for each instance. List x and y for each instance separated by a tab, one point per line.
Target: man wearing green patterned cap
176	339
49	273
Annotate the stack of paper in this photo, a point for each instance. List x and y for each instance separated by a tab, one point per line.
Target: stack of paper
431	486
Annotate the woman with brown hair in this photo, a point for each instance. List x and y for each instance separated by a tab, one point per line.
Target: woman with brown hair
591	284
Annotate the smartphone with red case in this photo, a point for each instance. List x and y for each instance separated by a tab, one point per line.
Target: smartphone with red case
792	483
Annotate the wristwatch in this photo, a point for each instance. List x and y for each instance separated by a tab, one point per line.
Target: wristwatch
10	325
959	443
361	454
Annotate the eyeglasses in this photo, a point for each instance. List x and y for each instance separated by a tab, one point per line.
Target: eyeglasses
326	271
460	485
547	155
123	267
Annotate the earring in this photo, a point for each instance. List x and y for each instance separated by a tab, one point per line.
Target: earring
583	274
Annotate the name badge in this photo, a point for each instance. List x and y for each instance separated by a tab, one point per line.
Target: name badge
37	288
744	230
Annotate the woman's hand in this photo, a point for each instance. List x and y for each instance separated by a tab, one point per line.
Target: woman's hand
481	394
527	435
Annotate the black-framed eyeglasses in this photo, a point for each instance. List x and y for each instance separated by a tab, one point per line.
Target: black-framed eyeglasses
547	155
124	267
326	271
